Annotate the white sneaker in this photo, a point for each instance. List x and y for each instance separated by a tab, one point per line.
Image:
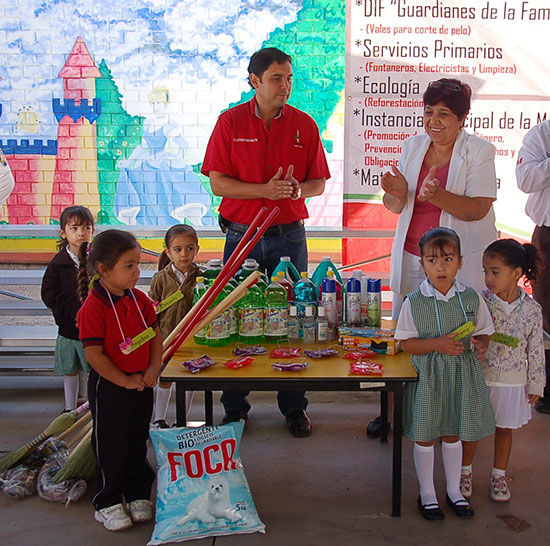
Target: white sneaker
498	488
140	510
114	518
466	485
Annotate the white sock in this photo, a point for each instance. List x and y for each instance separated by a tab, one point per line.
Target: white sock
70	388
83	384
452	462
162	399
497	472
424	463
467	468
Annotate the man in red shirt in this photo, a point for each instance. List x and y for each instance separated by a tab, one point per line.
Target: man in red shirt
267	153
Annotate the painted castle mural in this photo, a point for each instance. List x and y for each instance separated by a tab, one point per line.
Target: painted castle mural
111	107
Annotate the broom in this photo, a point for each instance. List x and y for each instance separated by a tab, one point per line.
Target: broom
57	426
80	463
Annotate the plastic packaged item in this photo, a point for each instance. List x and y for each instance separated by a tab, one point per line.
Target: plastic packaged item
196	364
293	323
251	316
287	267
366	367
253	350
275	312
321	353
308	326
236	363
289	366
321	271
199	290
321	327
285	352
305	295
328	301
202	489
287	285
353	299
374	303
359	354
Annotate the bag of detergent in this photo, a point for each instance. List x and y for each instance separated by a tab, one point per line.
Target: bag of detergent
201	487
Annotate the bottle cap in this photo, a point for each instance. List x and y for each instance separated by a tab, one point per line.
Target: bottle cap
321	311
285	258
215	262
303	274
280	273
292	310
357	273
326	259
275	279
330	273
373	285
250	263
309	311
200	279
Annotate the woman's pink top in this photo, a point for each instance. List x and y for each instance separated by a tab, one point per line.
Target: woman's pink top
425	215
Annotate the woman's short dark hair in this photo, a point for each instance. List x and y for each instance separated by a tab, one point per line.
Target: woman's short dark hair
454	94
262	60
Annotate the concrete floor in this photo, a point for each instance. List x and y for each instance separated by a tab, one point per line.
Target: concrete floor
330	489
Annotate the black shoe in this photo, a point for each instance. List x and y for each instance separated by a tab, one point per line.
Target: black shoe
374	428
430	512
543	405
299	424
234	416
160	423
460	509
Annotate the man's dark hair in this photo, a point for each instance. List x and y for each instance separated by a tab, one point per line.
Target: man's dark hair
262	59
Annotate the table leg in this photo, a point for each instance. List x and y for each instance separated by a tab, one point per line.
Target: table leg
181	414
208	408
384	425
397	448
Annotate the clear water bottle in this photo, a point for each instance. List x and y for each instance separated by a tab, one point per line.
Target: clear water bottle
374	303
198	291
275	311
251	316
287	285
322	325
288	269
305	295
353	299
328	300
308	326
293	324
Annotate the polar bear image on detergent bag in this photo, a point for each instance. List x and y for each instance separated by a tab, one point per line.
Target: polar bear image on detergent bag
201	487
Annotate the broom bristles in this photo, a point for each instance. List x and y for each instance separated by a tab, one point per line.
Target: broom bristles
78	460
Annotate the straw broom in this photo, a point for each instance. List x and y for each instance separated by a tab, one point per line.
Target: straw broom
57	426
79	461
73	428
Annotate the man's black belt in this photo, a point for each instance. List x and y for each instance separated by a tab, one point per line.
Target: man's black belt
273	231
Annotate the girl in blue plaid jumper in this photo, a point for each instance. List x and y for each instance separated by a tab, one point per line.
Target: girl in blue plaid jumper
446	328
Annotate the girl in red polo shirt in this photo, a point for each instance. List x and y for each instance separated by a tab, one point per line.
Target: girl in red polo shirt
123	345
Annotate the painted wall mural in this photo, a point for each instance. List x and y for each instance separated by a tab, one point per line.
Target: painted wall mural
111	106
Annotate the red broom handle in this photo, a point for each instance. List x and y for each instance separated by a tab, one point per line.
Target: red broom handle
233	263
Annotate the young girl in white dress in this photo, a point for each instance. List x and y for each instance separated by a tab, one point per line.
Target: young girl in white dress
514	367
439	324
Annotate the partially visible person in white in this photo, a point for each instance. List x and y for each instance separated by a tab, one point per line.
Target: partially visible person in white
533	177
6	178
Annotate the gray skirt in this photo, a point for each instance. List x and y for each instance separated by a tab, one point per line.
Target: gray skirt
69	357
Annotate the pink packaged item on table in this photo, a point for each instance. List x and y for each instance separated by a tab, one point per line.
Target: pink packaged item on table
359	354
236	363
365	367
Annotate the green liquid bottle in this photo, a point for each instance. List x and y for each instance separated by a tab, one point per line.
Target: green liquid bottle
251	316
275	311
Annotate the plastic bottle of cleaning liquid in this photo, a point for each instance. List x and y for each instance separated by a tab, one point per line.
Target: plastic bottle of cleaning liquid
199	290
213	268
218	330
275	311
233	314
305	295
293	324
251	316
285	265
308	326
364	299
249	266
374	298
353	299
321	272
328	300
322	325
287	285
